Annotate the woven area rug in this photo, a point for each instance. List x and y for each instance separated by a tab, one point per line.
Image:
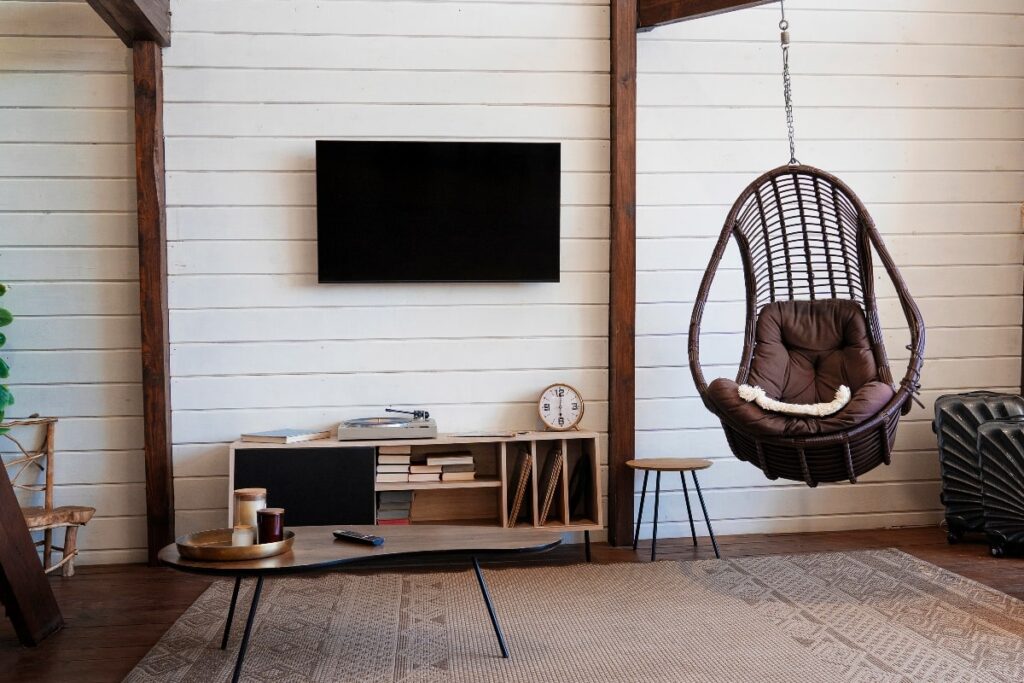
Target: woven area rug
858	616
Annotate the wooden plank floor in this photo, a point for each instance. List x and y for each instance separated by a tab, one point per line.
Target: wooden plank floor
114	614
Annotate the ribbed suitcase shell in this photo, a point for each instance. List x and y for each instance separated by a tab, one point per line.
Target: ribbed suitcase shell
957	418
1001	455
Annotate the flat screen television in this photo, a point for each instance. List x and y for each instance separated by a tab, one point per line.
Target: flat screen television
391	211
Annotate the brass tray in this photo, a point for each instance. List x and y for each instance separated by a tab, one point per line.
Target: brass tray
215	546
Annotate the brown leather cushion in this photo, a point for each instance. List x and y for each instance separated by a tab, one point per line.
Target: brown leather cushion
803	352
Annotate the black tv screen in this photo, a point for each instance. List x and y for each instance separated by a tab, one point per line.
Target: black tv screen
437	211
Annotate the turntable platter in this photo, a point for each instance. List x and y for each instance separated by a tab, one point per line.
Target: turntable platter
379	422
388	427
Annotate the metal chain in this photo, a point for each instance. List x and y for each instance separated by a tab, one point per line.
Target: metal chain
787	84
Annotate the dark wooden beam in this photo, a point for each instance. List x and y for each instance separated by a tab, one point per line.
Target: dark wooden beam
152	219
622	297
653	13
137	20
24	589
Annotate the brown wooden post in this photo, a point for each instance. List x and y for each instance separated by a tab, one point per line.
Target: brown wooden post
622	297
24	590
152	218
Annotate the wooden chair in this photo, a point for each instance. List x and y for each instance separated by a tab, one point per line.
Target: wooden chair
47	517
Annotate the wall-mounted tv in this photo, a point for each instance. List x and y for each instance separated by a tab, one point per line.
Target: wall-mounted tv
390	211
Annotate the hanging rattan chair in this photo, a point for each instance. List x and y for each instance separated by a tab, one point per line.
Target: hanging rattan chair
805	241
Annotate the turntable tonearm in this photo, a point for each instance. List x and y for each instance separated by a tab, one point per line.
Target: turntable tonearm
418	426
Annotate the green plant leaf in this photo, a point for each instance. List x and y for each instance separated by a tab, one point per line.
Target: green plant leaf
3	289
6	398
5	369
5	317
3	339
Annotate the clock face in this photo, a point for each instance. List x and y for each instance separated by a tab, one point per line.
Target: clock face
561	407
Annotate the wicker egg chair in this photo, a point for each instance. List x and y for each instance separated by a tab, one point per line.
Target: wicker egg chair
803	235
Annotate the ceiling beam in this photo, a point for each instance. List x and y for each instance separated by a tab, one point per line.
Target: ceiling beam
652	13
134	20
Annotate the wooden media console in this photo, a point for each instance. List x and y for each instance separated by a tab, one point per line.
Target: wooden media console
333	482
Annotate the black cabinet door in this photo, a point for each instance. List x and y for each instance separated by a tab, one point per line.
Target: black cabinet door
315	486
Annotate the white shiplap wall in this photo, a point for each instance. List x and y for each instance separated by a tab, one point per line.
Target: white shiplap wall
256	343
67	249
919	105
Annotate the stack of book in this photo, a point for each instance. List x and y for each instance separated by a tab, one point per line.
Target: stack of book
455	466
393	507
393	463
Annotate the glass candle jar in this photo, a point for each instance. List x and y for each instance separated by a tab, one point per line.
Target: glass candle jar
270	525
242	534
247	503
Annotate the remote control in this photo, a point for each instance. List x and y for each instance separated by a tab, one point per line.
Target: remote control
354	537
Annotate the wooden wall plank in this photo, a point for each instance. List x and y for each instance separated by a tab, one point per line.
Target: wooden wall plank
71	19
386	52
149	172
406	19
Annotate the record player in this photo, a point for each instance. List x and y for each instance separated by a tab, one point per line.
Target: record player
412	424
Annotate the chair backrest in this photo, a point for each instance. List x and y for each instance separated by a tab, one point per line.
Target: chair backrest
801	233
28	460
804	235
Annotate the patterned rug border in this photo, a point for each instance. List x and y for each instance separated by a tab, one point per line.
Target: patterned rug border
880	614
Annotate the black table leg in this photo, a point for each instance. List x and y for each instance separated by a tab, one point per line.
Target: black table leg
586	544
490	609
657	497
231	613
640	514
707	519
248	629
689	512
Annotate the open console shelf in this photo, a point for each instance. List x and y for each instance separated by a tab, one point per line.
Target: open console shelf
333	482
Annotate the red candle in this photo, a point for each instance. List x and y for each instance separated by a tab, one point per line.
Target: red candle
271	525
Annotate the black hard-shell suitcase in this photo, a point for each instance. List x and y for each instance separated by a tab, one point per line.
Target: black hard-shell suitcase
957	418
1001	454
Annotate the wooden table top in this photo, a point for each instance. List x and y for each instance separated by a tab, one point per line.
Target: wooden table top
669	464
316	548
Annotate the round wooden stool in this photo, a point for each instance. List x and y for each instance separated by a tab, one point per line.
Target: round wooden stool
682	466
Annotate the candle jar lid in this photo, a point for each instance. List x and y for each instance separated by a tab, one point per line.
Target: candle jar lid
250	494
270	511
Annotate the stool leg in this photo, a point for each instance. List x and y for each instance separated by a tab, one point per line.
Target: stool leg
689	512
640	514
657	497
70	549
707	519
47	548
586	544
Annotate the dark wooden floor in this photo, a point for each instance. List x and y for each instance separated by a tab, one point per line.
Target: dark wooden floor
114	614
